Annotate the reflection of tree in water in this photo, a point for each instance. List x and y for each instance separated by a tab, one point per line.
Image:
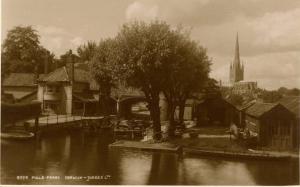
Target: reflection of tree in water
104	139
164	169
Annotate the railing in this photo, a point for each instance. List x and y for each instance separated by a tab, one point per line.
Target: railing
57	119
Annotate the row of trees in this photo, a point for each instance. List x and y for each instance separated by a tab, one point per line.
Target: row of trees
151	57
155	59
267	96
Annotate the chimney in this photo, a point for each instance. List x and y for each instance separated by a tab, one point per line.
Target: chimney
36	74
46	65
70	66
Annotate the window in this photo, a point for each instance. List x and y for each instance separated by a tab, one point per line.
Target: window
51	89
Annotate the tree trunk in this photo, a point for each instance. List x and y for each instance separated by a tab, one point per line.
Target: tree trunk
172	125
104	96
153	101
181	112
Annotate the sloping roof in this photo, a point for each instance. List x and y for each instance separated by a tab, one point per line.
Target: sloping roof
292	103
19	79
246	105
61	75
20	94
85	97
58	75
258	109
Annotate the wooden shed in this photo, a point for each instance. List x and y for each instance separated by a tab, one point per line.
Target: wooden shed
216	111
273	124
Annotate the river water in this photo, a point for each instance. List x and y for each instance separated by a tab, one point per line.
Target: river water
81	158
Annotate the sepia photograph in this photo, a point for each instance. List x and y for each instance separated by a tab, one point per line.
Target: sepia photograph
150	92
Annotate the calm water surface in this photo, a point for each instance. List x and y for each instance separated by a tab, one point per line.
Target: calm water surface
88	160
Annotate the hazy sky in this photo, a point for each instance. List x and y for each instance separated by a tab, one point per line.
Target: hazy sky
269	30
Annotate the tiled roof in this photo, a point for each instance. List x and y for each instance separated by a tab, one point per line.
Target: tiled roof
19	79
61	75
246	105
58	75
258	109
292	103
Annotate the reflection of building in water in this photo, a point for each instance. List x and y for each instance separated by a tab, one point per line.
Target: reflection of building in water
236	75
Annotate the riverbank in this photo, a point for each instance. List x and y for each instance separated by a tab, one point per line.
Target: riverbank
209	141
214	141
163	146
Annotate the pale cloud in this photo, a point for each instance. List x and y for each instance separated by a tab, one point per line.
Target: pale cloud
51	30
270	70
77	41
139	10
57	39
279	29
52	43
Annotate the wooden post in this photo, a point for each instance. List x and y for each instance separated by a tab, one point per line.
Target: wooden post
47	119
84	109
36	126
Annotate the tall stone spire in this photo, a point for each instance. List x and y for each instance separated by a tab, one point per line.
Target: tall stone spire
236	61
236	69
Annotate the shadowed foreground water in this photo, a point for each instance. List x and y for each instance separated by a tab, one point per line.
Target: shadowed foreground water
79	158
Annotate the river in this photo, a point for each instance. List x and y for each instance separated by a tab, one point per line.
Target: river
80	158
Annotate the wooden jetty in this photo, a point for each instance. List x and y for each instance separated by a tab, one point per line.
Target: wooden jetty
165	146
17	135
64	121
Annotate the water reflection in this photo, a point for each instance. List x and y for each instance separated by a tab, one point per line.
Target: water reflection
81	154
218	172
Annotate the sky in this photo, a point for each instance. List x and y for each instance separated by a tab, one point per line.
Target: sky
269	30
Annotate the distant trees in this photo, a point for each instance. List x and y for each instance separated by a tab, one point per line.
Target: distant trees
290	92
65	58
271	96
22	52
87	51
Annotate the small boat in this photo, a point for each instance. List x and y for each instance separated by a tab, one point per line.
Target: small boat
17	135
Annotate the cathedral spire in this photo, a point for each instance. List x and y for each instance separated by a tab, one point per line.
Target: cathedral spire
236	69
236	61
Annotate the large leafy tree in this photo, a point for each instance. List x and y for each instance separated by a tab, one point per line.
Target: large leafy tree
22	52
186	73
143	51
103	69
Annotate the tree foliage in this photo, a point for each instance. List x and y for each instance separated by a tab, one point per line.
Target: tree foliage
157	59
22	52
186	72
87	51
103	69
144	49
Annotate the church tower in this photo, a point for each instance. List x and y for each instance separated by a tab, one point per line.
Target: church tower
236	68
